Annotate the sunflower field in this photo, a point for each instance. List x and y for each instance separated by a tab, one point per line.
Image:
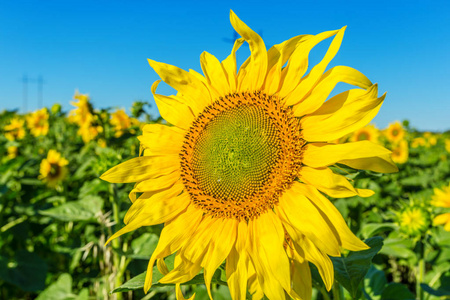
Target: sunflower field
254	184
56	214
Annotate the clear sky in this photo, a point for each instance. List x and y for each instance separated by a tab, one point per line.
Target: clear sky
101	47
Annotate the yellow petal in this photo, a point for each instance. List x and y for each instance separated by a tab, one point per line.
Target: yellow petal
219	248
229	66
158	139
335	185
173	109
441	219
326	84
257	67
301	279
297	211
154	203
277	56
200	240
158	183
308	82
141	168
214	74
320	260
380	163
179	293
173	236
297	66
322	155
194	93
266	237
236	269
184	271
346	237
169	208
356	112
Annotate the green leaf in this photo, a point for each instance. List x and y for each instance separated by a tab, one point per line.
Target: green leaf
144	246
60	290
398	247
397	291
369	230
350	270
93	188
374	282
431	291
18	271
85	209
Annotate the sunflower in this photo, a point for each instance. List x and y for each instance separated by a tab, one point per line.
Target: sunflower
400	152
419	141
441	198
53	168
13	151
395	132
368	133
121	122
15	130
82	113
239	175
38	122
447	145
413	221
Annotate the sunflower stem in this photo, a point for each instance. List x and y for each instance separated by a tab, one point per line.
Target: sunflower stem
117	262
338	292
421	270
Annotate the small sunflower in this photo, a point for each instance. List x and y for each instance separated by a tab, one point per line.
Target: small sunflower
38	122
419	141
53	168
239	176
89	131
81	115
395	132
121	122
400	152
13	151
447	145
15	129
368	133
413	221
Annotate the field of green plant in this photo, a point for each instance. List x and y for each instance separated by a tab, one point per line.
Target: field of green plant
56	214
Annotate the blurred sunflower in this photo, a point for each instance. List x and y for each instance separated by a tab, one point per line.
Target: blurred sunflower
82	113
413	221
395	132
400	152
239	175
89	131
121	122
12	152
38	122
441	198
15	129
419	141
368	133
53	168
447	145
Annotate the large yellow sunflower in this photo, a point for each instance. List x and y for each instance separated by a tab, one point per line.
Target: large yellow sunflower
239	175
38	122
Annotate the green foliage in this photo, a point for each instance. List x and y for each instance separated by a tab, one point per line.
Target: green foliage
52	239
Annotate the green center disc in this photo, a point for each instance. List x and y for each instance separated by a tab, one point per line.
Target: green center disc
235	153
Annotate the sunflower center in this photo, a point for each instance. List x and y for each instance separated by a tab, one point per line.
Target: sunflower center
240	154
236	152
55	170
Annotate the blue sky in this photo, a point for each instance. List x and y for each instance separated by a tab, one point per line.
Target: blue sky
101	47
